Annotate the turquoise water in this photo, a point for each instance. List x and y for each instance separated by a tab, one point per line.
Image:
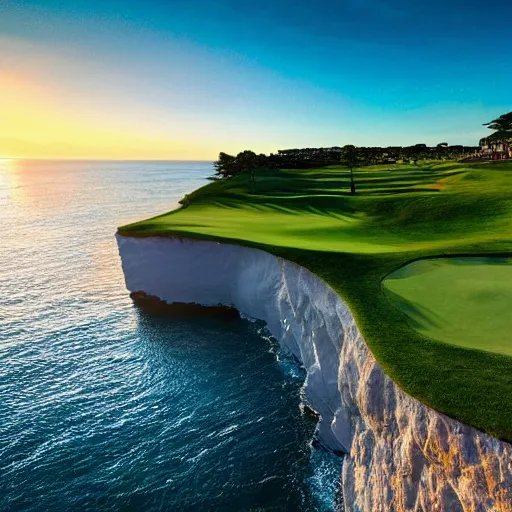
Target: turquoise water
104	407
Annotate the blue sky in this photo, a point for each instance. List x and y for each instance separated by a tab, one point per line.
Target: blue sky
184	78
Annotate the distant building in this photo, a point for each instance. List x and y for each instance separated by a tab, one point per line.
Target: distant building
496	149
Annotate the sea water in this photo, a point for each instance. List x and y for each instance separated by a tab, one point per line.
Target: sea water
106	407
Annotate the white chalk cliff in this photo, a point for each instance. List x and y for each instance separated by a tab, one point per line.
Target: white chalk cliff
401	454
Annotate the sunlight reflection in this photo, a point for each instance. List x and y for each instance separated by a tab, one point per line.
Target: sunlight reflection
6	164
36	183
9	183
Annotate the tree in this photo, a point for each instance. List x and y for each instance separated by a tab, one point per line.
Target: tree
350	159
247	163
225	166
501	124
440	150
502	127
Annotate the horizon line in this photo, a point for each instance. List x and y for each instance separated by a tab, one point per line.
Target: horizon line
78	159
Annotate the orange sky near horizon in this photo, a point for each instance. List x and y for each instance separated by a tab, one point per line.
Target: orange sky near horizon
37	123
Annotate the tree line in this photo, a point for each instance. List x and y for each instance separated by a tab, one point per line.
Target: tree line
373	155
248	162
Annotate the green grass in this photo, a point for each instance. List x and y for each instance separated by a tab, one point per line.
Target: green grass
400	214
463	301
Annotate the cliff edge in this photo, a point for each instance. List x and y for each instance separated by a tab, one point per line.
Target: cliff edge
401	454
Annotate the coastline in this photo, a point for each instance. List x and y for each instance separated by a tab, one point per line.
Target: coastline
400	453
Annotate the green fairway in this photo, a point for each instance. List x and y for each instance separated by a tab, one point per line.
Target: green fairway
464	301
399	214
395	210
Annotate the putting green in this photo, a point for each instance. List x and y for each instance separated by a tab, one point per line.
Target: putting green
462	301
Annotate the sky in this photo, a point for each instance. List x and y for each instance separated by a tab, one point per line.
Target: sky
186	79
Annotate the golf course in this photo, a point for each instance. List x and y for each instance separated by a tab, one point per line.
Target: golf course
421	253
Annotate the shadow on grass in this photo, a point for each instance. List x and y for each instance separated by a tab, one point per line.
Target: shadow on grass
418	316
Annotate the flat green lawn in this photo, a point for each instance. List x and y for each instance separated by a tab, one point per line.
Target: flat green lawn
463	301
399	214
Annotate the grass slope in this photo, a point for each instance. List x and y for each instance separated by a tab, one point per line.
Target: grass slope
400	214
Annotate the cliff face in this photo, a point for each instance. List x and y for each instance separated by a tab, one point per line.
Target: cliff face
404	456
401	455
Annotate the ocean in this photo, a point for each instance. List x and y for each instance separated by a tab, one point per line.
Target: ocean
104	407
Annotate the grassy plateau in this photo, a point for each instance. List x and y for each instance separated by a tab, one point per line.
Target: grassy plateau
420	253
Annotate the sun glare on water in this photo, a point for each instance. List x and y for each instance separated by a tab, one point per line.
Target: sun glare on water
6	165
9	181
